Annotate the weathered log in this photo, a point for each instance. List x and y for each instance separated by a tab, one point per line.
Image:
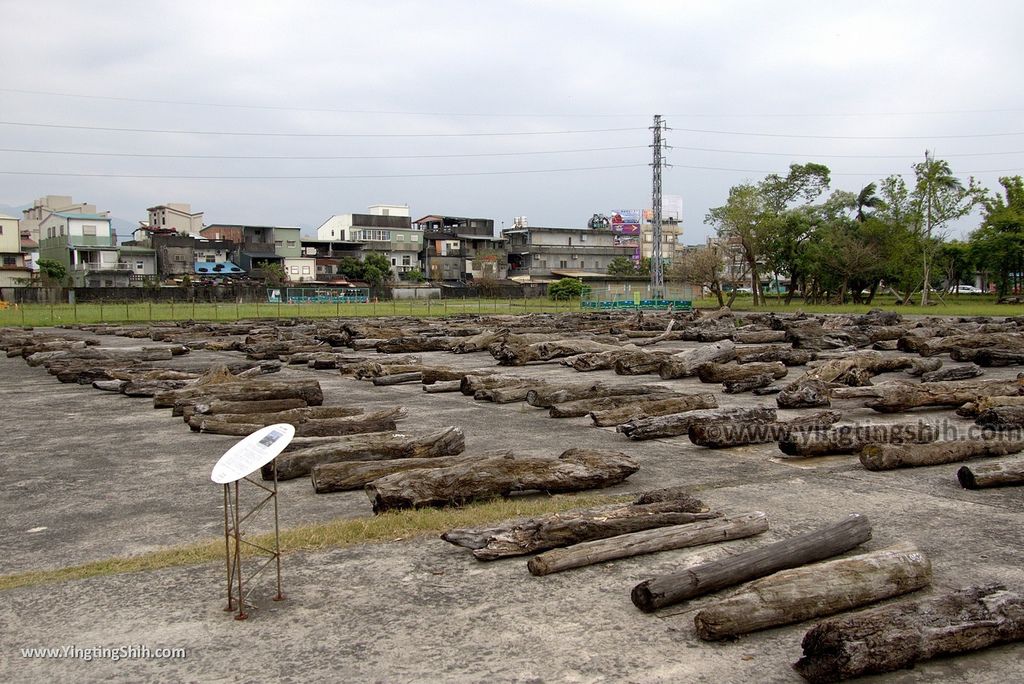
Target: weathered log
581	407
851	439
974	408
549	395
727	434
407	345
708	577
377	421
922	366
110	385
731	372
472	382
480	342
1002	417
1000	474
898	396
748	385
443	386
774	352
343	476
150	388
511	354
648	541
816	590
398	378
892	456
892	637
216	406
574	470
648	409
247	390
679	423
758	336
685	364
639	362
804	393
766	391
448	441
952	373
945	345
993	357
295	416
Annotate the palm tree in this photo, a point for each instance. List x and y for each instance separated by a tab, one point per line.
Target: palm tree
935	180
867	199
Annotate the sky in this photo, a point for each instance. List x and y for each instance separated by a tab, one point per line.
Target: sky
496	110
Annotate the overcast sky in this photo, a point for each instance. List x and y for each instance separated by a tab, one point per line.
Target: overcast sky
420	76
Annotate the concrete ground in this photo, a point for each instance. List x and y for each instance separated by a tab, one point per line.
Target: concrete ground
88	475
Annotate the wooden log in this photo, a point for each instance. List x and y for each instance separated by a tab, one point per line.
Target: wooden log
480	342
679	423
512	354
816	590
774	352
892	456
758	336
110	385
656	407
685	364
295	416
344	476
953	373
549	395
1000	474
1002	417
804	393
377	421
639	362
648	541
150	388
922	366
581	407
732	372
519	537
472	382
852	439
945	345
398	378
974	408
993	357
705	578
897	396
766	391
724	435
443	386
247	390
893	637
412	344
574	470
217	406
748	385
448	441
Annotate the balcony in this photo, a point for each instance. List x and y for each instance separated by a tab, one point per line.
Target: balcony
90	266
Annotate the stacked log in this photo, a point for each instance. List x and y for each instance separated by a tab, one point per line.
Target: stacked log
1009	473
343	476
890	638
814	591
705	578
897	396
679	423
1007	417
547	396
656	407
892	456
852	439
574	470
582	407
685	364
376	421
734	372
723	435
804	393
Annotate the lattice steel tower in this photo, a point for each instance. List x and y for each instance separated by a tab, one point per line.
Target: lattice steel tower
657	271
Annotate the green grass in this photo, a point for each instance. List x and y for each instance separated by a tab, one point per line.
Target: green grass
387	527
145	312
954	305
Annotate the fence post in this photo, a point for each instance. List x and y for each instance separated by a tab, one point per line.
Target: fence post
75	310
51	312
101	309
237	314
151	311
127	314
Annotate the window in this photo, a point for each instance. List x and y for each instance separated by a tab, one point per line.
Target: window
211	260
583	238
394	262
291	243
163	220
1	230
179	257
332	232
385	212
597	265
140	265
9	261
414	238
400	237
278	243
405	260
305	270
295	270
563	264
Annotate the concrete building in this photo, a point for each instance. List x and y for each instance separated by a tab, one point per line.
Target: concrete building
86	246
327	256
257	244
13	268
671	247
461	248
176	216
33	217
545	254
386	229
300	269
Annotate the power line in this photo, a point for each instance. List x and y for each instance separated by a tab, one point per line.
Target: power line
879	174
846	137
319	177
228	105
840	156
314	135
317	157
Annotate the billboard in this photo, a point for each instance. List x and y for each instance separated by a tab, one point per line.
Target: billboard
626	221
671	209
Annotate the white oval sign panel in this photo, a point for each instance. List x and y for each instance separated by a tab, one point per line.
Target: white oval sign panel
252	453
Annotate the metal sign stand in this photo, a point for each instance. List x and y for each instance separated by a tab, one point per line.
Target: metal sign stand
234	540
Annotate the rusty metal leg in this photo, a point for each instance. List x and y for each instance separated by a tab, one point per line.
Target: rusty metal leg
227	544
277	539
242	615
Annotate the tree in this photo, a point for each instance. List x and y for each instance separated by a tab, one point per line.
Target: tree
350	267
998	245
273	272
939	198
566	288
53	271
414	276
702	266
376	269
867	198
739	221
621	266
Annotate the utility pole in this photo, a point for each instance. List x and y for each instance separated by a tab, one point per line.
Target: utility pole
657	272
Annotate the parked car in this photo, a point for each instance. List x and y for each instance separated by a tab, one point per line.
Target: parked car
966	289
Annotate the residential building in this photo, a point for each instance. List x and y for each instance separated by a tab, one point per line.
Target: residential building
327	255
257	244
140	260
13	268
300	269
544	254
33	217
386	229
671	247
86	246
176	216
461	248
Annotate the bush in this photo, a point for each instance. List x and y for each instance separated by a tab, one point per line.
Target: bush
566	288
